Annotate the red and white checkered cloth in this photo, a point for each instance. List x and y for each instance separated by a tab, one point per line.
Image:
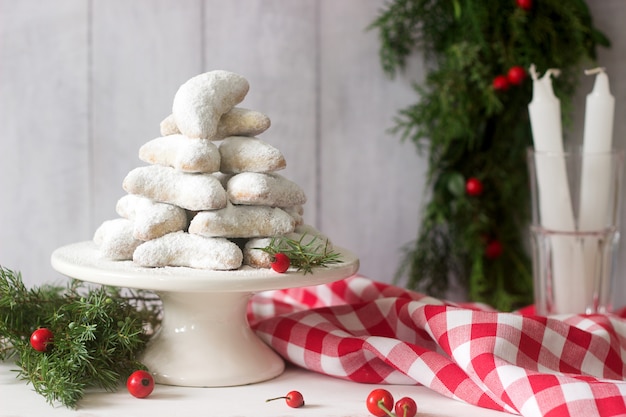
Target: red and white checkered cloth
370	332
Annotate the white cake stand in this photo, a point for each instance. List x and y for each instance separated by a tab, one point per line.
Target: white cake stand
205	339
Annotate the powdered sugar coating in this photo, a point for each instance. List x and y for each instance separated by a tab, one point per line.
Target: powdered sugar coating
184	249
244	154
151	219
265	189
183	153
222	178
242	222
166	185
242	122
115	239
235	122
201	101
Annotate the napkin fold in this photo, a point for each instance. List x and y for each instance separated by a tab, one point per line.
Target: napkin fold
366	331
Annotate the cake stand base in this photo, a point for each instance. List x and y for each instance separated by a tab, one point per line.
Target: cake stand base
205	339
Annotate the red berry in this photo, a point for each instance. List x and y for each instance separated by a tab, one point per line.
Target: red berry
280	263
380	402
500	83
516	75
140	384
524	4
41	339
473	187
493	249
293	399
405	407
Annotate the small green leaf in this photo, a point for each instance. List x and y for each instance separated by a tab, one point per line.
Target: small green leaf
456	184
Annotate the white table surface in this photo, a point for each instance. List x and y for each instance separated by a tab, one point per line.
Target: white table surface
323	395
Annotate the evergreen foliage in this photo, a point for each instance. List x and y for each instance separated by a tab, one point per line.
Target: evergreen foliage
469	129
98	334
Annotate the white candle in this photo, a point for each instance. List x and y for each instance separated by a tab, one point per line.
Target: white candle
599	111
545	117
545	114
555	205
596	172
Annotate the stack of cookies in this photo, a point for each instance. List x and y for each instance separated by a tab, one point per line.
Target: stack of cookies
210	193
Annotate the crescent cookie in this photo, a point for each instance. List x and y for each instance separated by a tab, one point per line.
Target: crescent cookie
264	189
115	239
193	192
201	101
182	153
151	219
236	122
242	221
193	251
242	122
245	154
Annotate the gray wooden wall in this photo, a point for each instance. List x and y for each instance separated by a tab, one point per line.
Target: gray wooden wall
83	84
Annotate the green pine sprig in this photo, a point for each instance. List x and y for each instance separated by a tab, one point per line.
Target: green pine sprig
304	253
468	129
99	333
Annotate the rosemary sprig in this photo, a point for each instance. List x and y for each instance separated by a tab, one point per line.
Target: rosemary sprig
305	253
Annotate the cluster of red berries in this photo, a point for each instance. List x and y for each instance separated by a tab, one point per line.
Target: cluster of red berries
380	403
515	76
139	384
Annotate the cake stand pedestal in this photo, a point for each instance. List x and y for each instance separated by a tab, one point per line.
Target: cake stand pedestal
205	339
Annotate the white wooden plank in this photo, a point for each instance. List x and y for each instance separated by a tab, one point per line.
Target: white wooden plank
141	52
371	183
272	44
44	174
